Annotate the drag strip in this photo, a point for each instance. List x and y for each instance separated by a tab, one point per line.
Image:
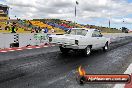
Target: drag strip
46	67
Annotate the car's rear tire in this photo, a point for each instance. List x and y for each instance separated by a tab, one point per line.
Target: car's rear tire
87	51
106	47
64	50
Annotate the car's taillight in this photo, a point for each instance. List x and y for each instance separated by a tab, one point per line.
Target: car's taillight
76	42
50	39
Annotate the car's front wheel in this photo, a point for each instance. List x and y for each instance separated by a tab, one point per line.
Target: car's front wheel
87	51
106	47
64	50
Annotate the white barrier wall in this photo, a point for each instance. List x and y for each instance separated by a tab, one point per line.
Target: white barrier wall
24	39
1	41
29	38
6	39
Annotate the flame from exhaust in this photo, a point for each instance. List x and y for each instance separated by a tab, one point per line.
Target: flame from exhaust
81	71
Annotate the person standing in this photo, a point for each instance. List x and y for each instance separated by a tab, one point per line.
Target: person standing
13	27
32	30
39	29
36	29
43	30
52	30
46	30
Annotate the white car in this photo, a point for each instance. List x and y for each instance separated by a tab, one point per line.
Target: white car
81	39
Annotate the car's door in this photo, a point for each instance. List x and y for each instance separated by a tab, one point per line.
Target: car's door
97	39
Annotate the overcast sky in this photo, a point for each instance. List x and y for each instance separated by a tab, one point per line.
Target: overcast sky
95	12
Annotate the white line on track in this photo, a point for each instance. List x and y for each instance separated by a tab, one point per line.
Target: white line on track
3	51
52	45
45	46
37	47
29	48
18	49
11	50
128	71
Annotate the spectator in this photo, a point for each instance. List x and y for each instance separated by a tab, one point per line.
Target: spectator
52	30
39	29
46	30
36	30
13	27
7	28
0	28
32	30
43	30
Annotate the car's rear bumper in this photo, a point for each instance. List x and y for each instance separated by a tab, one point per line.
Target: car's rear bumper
71	46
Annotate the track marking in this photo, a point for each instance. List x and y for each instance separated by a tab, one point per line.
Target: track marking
128	71
45	46
29	48
37	47
22	48
3	51
19	49
11	50
52	45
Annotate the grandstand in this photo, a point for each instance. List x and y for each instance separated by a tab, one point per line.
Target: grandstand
46	25
60	26
66	25
26	26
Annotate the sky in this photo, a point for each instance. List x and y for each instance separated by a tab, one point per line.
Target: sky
93	12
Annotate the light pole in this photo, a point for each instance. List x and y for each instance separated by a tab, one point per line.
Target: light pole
109	20
75	13
109	23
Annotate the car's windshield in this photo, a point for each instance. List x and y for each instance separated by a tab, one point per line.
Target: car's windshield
77	32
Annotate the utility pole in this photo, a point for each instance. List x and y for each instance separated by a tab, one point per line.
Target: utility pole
109	23
75	13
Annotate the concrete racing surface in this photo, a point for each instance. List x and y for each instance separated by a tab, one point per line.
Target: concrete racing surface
48	68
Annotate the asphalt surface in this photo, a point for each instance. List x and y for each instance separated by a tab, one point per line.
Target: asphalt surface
48	68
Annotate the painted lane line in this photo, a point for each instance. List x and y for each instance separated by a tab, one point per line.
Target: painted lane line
37	47
29	48
22	48
19	49
11	50
3	51
128	71
52	45
45	46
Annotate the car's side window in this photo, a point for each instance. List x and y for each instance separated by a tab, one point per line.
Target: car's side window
96	34
84	32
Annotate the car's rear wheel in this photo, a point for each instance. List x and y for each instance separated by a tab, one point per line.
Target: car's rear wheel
64	50
106	47
87	51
